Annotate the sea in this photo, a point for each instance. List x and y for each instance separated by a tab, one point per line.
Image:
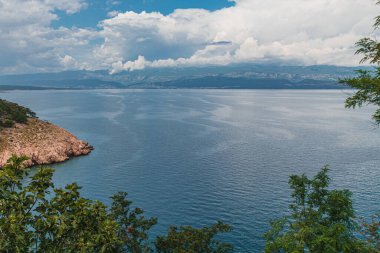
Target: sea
193	157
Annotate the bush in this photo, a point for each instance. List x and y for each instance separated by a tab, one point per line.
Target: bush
37	217
11	113
321	220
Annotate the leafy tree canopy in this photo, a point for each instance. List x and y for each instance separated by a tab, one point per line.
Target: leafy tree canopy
367	82
191	240
38	217
320	220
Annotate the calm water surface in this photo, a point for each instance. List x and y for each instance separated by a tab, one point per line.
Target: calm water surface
191	157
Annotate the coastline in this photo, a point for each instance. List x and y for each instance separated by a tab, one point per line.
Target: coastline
42	142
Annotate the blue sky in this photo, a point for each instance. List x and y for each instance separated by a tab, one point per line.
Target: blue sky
97	10
127	35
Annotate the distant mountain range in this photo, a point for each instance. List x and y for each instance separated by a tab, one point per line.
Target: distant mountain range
242	76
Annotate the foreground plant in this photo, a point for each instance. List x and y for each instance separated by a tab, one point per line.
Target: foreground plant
367	83
370	230
37	217
320	220
188	239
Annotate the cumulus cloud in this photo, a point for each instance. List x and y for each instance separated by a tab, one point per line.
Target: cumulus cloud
287	31
27	41
295	31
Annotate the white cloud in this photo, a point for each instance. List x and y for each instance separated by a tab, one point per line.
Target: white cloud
297	31
68	62
27	41
293	31
69	6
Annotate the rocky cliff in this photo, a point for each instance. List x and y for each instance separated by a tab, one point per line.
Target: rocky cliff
42	142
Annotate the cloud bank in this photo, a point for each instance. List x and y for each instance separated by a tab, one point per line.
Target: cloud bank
286	31
27	41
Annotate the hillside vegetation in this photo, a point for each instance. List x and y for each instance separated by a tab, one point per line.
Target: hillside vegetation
11	113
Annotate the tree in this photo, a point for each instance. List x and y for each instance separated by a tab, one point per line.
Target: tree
37	217
133	227
370	230
192	240
321	220
41	218
367	82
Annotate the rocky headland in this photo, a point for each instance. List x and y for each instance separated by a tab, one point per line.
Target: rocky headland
41	141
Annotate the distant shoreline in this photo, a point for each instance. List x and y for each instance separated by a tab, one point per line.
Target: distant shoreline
32	88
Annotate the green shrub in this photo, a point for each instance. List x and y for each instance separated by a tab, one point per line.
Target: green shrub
321	220
37	217
11	113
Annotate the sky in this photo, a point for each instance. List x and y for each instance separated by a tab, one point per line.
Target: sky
127	35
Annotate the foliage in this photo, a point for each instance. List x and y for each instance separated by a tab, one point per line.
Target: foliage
11	113
133	227
367	82
191	240
32	218
370	230
321	220
37	217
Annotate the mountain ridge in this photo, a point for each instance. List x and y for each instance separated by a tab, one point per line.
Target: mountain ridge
222	77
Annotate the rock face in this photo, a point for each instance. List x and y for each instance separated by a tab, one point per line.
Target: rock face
42	142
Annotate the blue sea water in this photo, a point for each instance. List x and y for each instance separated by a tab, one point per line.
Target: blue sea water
192	157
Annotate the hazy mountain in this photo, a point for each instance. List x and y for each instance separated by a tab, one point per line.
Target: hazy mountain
235	76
